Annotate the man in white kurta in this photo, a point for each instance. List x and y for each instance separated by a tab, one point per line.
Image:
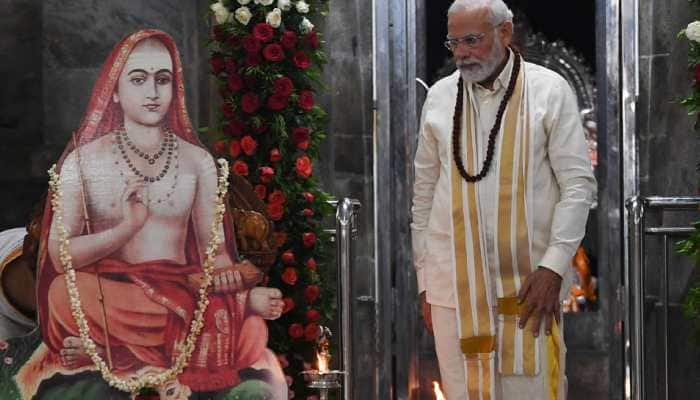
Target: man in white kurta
559	195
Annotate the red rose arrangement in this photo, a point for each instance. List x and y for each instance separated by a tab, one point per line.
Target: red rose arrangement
266	61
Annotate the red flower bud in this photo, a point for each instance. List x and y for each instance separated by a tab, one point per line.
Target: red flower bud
295	331
301	60
307	212
248	144
219	147
261	191
283	86
313	315
234	149
311	332
311	264
311	293
289	40
306	100
288	257
273	52
275	211
275	155
303	145
309	197
240	168
288	305
309	239
289	276
276	197
266	174
303	166
280	238
263	32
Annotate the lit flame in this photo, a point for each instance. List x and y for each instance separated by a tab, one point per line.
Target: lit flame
322	363
438	392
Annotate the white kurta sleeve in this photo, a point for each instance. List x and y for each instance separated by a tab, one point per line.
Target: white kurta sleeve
568	155
427	172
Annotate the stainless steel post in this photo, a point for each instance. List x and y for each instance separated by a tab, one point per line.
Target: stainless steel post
634	296
345	233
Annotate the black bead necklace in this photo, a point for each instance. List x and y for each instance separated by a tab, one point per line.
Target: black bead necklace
457	122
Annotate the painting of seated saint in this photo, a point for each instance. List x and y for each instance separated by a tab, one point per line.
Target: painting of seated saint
138	231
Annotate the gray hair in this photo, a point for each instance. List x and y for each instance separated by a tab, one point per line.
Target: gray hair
498	9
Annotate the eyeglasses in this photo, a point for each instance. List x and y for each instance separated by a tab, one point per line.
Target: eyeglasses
472	40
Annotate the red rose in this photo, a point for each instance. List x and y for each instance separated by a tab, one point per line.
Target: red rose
234	149
307	212
261	191
306	100
217	64
288	305
275	211
288	257
276	197
311	264
234	128
277	102
266	174
311	332
263	32
280	238
289	40
235	83
301	60
248	144
313	315
218	146
240	168
309	197
250	102
227	109
273	52
309	239
289	276
283	86
303	145
312	39
251	44
231	65
311	293
219	33
303	167
275	155
300	134
296	331
697	74
252	59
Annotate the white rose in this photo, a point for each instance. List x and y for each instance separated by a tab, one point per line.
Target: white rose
302	7
274	18
243	15
264	2
693	31
284	5
221	13
243	2
306	26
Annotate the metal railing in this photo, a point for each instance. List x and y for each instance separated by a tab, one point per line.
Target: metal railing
345	232
634	285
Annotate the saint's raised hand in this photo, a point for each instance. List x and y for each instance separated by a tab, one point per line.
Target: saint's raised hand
539	299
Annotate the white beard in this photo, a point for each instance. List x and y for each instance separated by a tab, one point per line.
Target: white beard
474	71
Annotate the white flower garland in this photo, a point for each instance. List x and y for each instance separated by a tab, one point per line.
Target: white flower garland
153	380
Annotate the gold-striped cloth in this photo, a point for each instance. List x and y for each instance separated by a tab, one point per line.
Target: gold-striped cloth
483	335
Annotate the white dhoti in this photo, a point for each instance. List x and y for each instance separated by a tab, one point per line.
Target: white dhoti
512	387
12	322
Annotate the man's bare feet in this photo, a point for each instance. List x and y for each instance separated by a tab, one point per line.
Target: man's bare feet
73	354
267	302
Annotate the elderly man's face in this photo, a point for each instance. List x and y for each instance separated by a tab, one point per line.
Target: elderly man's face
477	61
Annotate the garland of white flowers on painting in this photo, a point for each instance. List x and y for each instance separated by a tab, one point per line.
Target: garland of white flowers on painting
135	384
266	58
691	246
